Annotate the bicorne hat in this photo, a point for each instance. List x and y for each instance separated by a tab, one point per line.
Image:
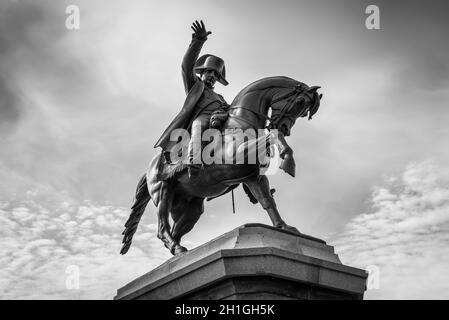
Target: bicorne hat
209	61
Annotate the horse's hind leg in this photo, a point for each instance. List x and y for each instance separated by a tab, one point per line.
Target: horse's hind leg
187	215
163	223
260	188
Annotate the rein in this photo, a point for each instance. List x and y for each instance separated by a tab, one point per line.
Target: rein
292	95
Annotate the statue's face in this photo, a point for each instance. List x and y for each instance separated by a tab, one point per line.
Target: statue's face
209	77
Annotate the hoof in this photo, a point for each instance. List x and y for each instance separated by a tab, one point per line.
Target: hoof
177	249
289	228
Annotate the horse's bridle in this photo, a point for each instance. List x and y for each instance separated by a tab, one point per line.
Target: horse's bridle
274	120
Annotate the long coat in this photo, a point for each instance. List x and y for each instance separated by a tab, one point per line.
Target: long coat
194	88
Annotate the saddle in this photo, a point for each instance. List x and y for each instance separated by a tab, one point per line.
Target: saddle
167	169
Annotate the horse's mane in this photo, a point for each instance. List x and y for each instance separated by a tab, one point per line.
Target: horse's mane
266	83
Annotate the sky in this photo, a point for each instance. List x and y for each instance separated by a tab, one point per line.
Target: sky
80	111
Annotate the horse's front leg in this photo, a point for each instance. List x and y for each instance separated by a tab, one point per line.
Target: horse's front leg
164	232
260	188
286	154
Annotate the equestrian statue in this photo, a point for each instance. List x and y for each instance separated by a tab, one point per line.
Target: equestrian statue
182	175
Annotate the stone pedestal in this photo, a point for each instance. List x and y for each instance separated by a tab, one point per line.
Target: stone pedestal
253	261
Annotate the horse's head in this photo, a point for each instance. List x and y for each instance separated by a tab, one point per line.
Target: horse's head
289	104
288	99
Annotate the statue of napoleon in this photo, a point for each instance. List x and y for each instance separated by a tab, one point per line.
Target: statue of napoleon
177	187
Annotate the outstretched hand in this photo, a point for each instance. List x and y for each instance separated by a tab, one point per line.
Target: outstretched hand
200	30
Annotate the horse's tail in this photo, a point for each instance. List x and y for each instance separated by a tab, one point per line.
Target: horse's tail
138	208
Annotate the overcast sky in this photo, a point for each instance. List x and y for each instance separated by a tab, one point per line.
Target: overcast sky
80	111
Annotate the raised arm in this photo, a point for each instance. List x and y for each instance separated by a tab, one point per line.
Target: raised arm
188	62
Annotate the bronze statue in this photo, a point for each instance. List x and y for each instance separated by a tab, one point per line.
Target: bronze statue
178	188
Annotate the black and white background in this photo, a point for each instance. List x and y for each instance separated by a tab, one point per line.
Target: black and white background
80	110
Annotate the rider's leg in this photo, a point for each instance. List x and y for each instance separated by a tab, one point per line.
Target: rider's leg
260	188
199	125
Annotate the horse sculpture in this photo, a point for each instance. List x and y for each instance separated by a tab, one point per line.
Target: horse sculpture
183	197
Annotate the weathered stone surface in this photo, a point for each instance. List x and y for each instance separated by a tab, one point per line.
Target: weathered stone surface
253	261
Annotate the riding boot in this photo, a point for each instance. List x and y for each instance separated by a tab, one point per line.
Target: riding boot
199	125
194	164
194	170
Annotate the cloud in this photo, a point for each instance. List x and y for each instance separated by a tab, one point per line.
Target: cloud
9	110
405	234
17	41
40	240
63	117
